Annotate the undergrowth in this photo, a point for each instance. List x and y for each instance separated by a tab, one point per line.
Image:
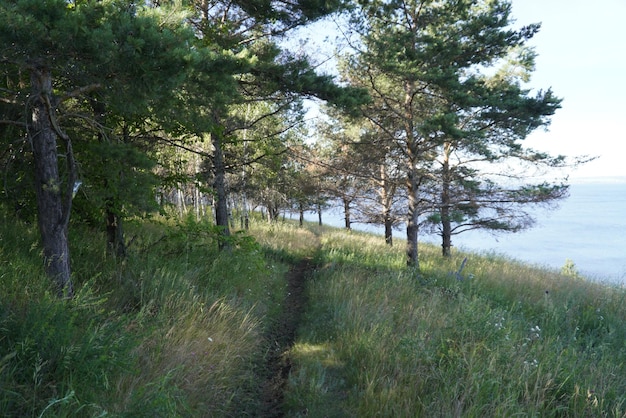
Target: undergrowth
175	329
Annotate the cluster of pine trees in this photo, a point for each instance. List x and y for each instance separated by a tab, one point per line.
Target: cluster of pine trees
113	108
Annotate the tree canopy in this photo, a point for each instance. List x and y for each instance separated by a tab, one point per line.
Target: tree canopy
115	108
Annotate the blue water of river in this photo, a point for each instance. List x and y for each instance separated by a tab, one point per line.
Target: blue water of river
588	228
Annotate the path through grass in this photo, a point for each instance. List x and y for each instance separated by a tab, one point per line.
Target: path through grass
378	339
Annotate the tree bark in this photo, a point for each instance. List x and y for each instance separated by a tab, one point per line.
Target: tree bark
52	211
412	227
446	223
346	212
386	199
219	185
319	214
112	220
388	229
115	232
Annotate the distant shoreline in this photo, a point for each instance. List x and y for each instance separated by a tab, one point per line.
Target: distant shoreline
598	180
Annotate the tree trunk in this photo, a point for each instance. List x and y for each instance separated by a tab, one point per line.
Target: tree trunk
115	233
180	202
219	185
388	230
113	221
52	212
319	214
446	224
196	202
386	199
301	210
446	232
412	227
346	212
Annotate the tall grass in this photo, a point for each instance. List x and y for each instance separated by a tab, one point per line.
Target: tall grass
176	329
179	328
507	340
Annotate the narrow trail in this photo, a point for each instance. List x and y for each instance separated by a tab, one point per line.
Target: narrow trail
281	337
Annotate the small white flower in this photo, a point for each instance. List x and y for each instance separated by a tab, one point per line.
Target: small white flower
531	364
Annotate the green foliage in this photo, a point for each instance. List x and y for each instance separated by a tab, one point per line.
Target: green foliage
177	328
446	80
119	178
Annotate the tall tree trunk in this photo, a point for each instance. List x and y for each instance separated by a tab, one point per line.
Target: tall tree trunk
412	227
275	212
180	201
301	210
346	212
319	214
245	215
115	232
196	202
113	221
219	185
388	228
386	199
446	224
52	211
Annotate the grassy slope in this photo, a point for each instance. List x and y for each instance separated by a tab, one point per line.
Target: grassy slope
178	330
175	330
508	340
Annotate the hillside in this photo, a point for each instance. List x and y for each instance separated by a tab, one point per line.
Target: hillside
300	322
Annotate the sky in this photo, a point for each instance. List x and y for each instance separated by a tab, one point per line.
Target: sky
581	51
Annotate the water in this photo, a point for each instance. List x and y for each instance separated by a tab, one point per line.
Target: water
588	228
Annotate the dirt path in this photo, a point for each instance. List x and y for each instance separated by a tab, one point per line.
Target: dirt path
281	336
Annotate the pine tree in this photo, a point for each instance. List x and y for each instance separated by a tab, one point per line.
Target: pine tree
70	55
421	61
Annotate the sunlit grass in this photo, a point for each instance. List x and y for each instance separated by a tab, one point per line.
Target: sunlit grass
286	239
206	352
507	339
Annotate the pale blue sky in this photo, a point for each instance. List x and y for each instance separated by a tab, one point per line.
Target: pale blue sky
582	55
